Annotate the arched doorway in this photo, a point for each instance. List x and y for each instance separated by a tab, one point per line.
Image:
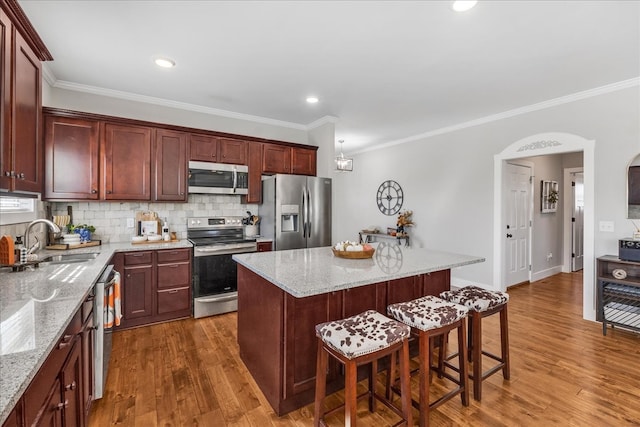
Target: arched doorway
540	145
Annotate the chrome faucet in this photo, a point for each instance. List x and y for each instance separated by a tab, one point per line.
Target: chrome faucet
51	225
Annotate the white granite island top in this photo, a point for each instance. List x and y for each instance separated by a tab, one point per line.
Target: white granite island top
307	272
37	305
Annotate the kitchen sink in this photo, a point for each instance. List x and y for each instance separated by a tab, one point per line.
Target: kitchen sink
69	258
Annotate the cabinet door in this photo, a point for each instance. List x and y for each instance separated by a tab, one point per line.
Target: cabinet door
50	414
276	159
126	160
6	163
138	292
405	289
264	246
174	275
363	298
301	315
173	302
232	151
15	416
25	125
255	173
72	387
203	148
71	158
303	161
87	342
436	282
170	166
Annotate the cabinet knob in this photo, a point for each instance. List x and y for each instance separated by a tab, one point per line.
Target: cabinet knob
108	191
66	340
9	173
94	191
21	175
71	386
61	406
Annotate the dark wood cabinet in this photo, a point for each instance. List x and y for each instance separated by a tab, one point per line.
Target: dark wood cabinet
233	151
291	160
436	282
71	158
276	159
303	161
264	246
20	109
254	162
126	162
87	342
170	169
14	419
72	387
618	292
137	284
404	289
203	148
157	286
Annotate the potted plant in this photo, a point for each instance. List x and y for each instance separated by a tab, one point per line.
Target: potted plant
83	230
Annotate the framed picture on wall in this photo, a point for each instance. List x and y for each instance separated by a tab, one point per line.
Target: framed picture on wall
548	196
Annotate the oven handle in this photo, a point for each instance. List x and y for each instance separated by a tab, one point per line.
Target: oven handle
220	298
197	252
235	179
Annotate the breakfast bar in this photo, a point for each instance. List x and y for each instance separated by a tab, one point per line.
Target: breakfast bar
282	295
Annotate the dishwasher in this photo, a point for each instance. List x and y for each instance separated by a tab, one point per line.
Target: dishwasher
102	343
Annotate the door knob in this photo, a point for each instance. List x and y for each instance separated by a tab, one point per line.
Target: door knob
509	236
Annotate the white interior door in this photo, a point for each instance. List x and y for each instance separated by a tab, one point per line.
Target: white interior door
577	222
517	225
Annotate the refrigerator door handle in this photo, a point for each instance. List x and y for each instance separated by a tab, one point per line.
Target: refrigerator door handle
304	212
308	213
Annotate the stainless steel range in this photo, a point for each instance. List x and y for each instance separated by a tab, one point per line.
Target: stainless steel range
215	240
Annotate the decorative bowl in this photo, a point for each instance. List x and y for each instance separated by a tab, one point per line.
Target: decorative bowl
154	237
139	238
367	253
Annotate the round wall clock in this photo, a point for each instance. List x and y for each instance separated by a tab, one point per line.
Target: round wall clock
390	197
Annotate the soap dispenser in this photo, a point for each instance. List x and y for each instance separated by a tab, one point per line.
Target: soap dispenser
165	231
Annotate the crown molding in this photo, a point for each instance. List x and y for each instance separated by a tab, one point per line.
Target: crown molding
48	75
321	121
173	104
624	84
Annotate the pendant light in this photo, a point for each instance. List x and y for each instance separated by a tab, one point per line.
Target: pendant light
343	164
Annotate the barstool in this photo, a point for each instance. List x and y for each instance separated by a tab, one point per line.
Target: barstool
483	303
358	340
431	317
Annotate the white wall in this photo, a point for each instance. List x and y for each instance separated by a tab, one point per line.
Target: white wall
448	179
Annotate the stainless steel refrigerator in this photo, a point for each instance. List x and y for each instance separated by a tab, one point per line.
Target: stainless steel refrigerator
296	211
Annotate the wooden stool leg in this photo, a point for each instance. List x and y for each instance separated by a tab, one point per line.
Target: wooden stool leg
350	394
373	371
470	340
423	344
476	319
504	341
321	384
462	360
405	384
391	375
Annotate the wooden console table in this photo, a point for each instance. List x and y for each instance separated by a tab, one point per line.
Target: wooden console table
618	287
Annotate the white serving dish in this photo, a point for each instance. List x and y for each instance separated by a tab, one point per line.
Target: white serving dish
154	237
139	238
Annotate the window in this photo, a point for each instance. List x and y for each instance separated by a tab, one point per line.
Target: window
14	210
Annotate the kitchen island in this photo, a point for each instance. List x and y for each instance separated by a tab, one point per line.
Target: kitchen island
282	295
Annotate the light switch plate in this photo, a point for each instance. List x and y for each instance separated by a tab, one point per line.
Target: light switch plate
607	226
129	222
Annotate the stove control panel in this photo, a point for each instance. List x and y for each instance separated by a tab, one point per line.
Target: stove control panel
216	222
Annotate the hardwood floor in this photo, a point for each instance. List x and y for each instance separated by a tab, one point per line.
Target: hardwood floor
563	372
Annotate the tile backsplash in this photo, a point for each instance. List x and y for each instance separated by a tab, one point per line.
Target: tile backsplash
110	218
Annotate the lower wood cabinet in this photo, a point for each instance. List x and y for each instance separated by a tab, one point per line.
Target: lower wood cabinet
156	285
61	392
264	246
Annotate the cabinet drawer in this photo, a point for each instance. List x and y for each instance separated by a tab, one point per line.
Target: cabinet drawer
174	275
174	300
87	308
173	255
137	258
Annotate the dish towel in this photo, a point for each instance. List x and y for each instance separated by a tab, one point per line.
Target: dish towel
112	304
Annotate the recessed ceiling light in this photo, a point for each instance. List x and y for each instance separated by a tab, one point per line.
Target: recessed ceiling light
165	62
463	5
312	99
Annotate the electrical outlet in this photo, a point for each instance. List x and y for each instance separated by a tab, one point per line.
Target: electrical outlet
606	226
549	256
129	222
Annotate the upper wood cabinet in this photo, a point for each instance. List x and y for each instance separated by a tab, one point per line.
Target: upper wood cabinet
71	158
208	148
20	110
126	161
255	173
284	159
170	167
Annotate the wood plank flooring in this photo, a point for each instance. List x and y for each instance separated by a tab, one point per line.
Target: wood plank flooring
563	372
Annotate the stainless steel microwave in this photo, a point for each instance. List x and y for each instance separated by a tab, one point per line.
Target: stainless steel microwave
218	178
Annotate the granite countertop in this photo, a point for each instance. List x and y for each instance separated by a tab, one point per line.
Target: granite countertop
37	305
306	272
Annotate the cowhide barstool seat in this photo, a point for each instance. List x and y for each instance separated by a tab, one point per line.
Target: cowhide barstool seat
483	303
430	317
358	340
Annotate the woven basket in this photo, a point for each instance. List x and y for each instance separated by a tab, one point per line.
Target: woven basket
367	253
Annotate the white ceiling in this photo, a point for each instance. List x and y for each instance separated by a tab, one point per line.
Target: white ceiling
387	70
